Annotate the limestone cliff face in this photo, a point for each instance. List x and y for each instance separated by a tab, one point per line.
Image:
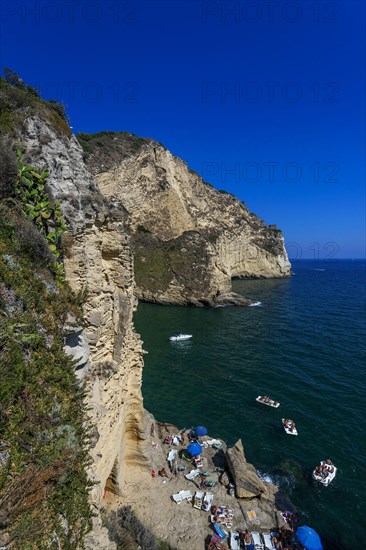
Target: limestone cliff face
189	239
99	266
185	238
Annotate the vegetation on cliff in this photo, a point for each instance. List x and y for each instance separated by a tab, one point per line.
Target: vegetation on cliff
104	150
158	263
18	101
43	440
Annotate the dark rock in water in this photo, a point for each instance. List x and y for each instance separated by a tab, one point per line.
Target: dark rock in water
231	299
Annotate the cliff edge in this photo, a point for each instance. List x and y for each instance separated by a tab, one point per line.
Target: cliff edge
189	239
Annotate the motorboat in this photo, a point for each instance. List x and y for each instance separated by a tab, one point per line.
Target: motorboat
178	337
267	401
325	473
289	426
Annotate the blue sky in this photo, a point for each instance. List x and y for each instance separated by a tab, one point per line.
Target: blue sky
264	99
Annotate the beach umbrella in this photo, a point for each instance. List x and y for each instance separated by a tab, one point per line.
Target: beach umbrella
194	449
200	430
309	538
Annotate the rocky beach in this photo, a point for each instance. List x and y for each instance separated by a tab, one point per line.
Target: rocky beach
150	495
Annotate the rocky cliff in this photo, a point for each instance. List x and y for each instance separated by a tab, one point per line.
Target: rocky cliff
99	265
189	239
148	219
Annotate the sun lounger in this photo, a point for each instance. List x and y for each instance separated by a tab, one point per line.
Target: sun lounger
234	540
207	502
268	544
258	545
182	495
172	455
222	534
198	498
192	474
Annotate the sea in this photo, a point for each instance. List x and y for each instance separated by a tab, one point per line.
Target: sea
304	345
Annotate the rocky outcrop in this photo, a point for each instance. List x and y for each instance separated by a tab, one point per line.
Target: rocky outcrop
189	239
247	483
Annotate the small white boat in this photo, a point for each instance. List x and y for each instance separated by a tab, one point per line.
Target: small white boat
179	336
267	401
325	473
255	304
289	426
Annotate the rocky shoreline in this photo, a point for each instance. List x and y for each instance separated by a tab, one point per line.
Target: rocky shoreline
182	526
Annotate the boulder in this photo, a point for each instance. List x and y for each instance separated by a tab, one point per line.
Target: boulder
247	482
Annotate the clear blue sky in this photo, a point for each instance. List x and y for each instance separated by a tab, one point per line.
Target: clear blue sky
264	99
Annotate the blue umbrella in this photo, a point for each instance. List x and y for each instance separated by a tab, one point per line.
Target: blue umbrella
194	449
200	430
309	538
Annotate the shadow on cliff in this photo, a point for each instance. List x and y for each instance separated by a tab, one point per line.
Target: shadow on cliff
129	533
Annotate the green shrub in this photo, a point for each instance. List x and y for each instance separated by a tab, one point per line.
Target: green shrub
8	169
43	481
19	101
36	203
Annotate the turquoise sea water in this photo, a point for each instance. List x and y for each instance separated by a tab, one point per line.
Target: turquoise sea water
305	346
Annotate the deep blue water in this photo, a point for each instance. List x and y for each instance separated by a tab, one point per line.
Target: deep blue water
305	346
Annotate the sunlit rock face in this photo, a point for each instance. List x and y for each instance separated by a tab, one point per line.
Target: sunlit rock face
141	226
189	239
99	268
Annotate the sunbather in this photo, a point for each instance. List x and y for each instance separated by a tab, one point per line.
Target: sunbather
221	510
277	542
247	537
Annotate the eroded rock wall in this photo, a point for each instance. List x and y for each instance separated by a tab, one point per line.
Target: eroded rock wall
168	203
99	267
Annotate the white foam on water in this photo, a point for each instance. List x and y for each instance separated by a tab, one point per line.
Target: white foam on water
266	477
